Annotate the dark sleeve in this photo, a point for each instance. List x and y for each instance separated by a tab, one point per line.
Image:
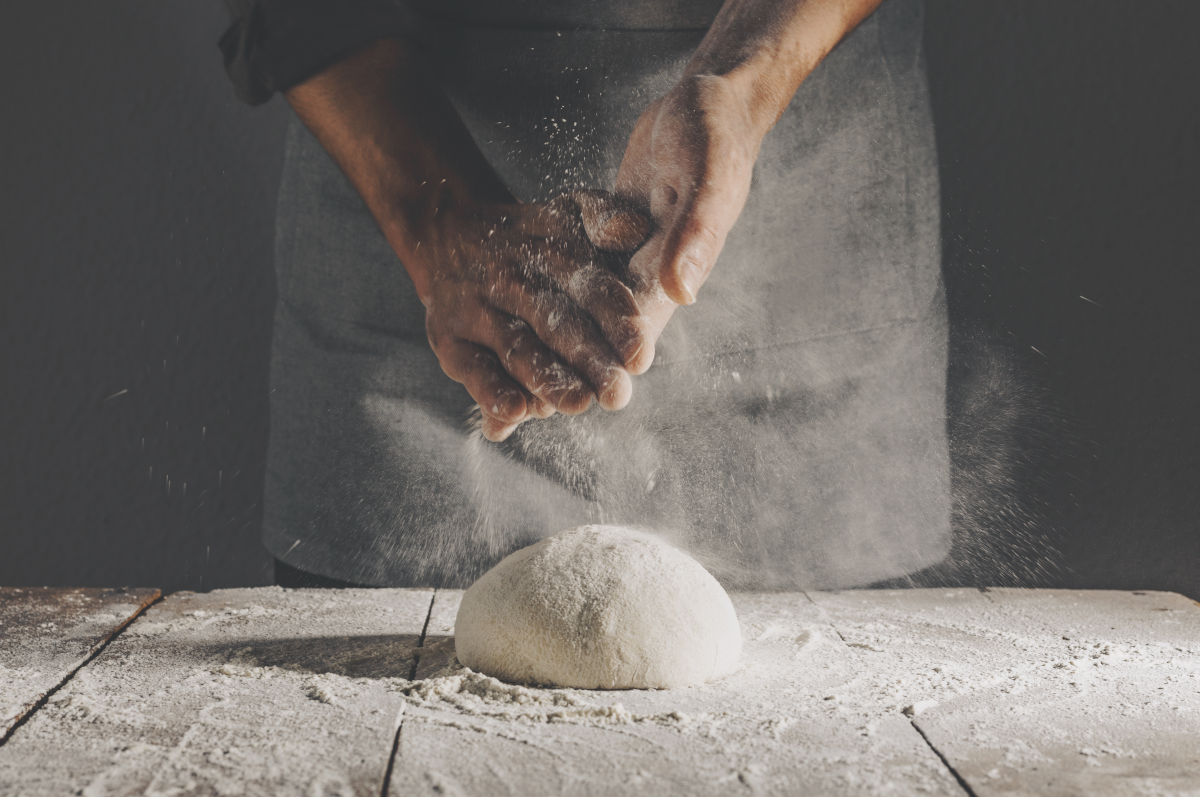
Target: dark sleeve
273	45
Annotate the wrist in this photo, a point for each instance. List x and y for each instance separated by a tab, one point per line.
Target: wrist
757	71
766	48
732	101
760	94
403	147
425	221
415	220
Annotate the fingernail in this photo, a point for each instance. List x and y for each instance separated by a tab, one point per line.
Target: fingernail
691	277
508	404
575	402
496	431
632	341
540	408
633	349
617	394
565	397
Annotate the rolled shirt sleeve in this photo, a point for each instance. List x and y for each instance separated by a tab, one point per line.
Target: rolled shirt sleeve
272	45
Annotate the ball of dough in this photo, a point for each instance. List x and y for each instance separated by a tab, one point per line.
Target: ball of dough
599	607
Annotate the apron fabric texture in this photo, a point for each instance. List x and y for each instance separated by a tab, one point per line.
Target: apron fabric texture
791	432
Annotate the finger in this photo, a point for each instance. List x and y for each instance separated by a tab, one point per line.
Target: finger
539	408
579	342
612	305
598	292
495	430
556	219
533	365
610	222
706	210
479	370
573	336
654	303
690	247
567	260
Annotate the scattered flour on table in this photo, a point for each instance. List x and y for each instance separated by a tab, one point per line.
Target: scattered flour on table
246	704
1028	689
236	692
464	690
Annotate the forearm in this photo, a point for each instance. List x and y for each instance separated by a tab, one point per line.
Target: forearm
768	47
401	144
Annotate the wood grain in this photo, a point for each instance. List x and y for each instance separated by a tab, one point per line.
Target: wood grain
45	634
789	722
937	691
1042	692
241	691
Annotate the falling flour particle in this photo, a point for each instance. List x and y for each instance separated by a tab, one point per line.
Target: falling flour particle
599	607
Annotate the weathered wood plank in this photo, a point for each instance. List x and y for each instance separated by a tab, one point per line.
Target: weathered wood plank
1042	692
787	723
46	633
240	691
269	691
1103	698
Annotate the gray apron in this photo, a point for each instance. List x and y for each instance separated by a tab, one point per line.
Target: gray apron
791	432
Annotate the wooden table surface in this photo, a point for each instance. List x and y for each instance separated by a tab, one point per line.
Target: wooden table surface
271	691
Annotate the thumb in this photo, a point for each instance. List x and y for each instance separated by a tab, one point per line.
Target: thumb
610	222
693	241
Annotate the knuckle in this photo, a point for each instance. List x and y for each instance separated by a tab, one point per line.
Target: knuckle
512	349
483	366
555	377
584	282
701	228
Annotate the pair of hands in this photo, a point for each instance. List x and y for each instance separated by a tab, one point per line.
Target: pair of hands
539	308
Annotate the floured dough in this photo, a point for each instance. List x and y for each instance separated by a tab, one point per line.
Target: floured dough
599	607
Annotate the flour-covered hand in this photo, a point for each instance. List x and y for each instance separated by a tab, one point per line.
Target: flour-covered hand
522	310
689	162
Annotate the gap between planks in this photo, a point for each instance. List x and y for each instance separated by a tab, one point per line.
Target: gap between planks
386	783
962	782
38	704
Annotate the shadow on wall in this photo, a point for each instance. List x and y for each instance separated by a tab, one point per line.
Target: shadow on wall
136	239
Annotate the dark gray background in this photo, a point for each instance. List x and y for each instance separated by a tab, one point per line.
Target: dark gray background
135	248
